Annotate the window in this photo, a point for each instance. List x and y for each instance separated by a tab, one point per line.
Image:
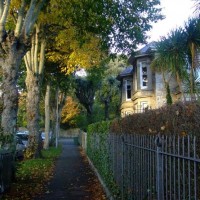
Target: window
127	113
143	75
143	105
128	89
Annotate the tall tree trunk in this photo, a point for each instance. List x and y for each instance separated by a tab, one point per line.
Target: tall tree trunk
106	105
180	87
53	112
47	117
33	100
167	89
34	61
57	124
13	46
192	84
59	102
10	65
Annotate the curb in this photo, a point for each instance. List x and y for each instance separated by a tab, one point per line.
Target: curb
108	193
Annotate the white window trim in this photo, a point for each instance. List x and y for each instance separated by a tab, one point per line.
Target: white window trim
144	104
128	80
141	82
128	112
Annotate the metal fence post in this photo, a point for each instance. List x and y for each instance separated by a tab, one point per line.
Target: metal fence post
159	170
122	139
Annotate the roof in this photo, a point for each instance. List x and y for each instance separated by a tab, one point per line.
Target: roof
147	50
126	72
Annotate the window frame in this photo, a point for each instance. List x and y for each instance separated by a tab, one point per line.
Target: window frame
126	89
142	75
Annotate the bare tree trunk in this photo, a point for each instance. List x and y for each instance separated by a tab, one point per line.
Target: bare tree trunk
13	46
53	112
57	117
33	100
192	84
106	104
10	66
34	61
59	103
180	87
47	117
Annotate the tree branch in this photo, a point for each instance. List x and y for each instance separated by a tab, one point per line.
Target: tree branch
31	16
27	59
4	15
1	8
42	56
32	52
20	18
36	67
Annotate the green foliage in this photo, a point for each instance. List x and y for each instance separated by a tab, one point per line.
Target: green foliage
85	92
97	151
32	175
5	139
21	115
120	24
81	121
28	167
107	98
52	152
177	54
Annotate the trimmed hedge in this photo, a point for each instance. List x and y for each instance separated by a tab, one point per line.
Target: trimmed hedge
98	152
177	119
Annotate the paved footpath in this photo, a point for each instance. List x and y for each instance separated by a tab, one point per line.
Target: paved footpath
73	179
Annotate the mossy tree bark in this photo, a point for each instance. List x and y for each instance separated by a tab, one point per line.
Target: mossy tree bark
47	116
13	46
34	60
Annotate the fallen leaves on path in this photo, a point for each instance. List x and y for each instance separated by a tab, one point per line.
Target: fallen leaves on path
93	186
26	187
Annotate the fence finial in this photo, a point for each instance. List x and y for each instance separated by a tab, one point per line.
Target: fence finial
158	140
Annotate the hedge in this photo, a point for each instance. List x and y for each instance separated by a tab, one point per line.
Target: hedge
176	119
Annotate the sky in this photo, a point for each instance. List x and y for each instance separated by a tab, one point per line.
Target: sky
176	12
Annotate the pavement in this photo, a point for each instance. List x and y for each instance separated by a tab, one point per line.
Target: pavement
73	177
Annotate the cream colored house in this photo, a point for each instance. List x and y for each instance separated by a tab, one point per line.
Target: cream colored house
141	88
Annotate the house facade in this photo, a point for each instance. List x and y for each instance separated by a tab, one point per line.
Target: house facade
142	88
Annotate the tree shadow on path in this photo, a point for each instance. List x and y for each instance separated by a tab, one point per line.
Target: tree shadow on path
73	178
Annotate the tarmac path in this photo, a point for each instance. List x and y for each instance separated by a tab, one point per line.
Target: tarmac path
73	178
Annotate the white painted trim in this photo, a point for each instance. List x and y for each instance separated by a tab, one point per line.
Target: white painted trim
141	80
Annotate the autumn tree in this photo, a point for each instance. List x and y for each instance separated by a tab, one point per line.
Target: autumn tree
70	111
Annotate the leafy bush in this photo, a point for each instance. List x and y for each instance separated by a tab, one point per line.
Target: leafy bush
97	150
176	119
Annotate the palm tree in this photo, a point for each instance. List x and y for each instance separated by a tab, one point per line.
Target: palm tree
160	65
175	57
197	7
170	60
192	44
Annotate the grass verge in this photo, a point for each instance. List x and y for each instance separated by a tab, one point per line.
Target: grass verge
32	175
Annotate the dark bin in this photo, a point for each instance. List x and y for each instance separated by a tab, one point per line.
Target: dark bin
6	170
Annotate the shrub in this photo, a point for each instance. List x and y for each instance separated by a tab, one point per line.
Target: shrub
176	119
98	152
